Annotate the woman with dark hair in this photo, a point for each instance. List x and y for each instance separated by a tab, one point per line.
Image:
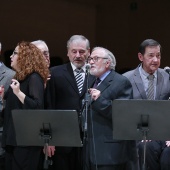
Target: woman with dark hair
26	92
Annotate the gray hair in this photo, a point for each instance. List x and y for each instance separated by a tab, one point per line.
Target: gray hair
40	42
78	38
109	55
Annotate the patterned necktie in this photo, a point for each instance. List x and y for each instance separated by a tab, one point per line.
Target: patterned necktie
150	91
96	83
79	79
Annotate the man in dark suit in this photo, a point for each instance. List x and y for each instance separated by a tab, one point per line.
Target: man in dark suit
157	152
65	92
105	153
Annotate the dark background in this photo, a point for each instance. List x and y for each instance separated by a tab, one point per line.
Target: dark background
119	25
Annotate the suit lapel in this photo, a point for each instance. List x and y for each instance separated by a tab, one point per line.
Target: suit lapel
159	85
139	84
69	75
91	80
106	82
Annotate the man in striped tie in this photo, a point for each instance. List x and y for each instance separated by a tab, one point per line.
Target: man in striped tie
65	91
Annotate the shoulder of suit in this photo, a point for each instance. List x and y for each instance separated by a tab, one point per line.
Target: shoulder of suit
7	69
163	72
115	74
59	67
129	73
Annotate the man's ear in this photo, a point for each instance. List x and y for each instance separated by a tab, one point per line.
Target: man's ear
140	56
108	62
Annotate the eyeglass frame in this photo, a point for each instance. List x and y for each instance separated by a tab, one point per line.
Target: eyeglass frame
14	53
95	59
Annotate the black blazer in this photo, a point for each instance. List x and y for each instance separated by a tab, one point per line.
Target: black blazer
62	92
107	150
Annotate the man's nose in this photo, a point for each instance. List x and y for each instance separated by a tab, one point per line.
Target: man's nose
77	54
155	58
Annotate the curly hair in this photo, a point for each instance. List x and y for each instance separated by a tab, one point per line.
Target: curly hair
30	59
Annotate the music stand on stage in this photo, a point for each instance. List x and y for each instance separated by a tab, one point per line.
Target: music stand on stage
141	120
47	127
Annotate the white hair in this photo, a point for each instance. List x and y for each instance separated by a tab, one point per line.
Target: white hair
39	43
78	38
109	55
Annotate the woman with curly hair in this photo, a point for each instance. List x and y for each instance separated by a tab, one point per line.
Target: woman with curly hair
26	92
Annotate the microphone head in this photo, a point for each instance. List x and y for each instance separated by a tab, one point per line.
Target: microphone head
88	66
167	69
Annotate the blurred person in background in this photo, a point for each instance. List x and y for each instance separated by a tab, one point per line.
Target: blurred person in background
6	74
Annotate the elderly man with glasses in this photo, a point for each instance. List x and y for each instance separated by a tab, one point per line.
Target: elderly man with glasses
105	153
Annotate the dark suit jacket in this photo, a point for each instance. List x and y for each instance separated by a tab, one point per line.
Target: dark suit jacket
107	150
162	87
62	92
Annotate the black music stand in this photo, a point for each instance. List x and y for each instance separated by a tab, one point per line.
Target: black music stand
141	120
47	127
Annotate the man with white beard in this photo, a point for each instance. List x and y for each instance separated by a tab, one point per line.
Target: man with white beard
105	153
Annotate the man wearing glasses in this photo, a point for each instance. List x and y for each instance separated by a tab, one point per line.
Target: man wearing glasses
104	152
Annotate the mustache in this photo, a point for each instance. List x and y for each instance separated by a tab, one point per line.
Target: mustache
78	59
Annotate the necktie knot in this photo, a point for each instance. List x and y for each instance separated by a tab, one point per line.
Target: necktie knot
96	82
78	70
151	77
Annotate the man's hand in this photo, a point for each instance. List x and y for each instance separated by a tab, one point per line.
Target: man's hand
94	93
167	143
50	150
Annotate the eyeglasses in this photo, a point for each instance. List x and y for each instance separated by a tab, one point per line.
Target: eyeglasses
95	59
14	53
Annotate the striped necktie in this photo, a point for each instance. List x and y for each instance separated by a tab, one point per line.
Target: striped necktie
79	79
150	90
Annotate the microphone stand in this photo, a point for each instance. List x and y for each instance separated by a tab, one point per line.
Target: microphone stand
84	111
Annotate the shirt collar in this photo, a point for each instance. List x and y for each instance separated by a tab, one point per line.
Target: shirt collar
145	74
74	67
102	77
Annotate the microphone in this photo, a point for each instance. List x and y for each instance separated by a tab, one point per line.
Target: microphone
88	66
167	69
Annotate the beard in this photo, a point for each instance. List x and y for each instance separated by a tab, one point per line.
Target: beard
97	72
